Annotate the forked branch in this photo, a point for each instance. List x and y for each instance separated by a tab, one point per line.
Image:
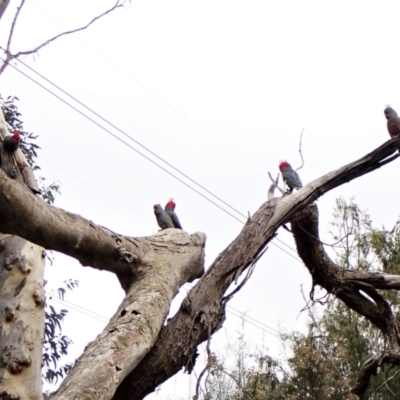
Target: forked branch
9	56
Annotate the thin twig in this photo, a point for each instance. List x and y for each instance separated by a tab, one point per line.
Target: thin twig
301	155
116	5
11	57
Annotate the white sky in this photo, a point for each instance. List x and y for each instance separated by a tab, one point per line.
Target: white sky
213	88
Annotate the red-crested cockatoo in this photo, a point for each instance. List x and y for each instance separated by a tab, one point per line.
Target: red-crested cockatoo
290	176
170	210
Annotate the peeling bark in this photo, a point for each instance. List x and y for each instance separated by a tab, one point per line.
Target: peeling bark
22	313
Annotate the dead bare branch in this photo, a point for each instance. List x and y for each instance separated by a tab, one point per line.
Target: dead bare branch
10	56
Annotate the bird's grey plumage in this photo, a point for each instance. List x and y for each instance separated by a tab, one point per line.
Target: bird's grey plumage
290	176
393	123
170	210
163	219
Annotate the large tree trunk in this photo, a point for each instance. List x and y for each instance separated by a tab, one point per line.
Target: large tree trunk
21	299
170	258
22	311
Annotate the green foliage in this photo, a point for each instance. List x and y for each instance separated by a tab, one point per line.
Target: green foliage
55	345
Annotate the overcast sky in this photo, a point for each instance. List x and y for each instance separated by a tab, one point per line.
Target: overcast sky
221	90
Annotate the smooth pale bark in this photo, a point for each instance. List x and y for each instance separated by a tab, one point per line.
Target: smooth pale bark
22	310
21	299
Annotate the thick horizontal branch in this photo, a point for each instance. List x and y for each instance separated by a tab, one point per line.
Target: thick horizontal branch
203	311
377	279
26	215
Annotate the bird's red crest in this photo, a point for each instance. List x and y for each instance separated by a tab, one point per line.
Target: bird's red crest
283	164
17	135
171	203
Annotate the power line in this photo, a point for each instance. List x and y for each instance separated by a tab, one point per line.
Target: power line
122	141
139	152
81	310
129	137
156	96
94	188
231	310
